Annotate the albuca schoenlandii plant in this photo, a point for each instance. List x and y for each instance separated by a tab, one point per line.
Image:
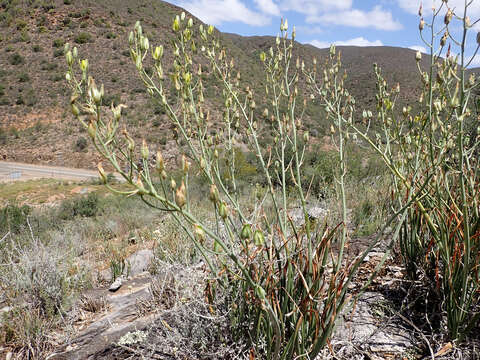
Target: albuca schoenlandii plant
288	283
432	153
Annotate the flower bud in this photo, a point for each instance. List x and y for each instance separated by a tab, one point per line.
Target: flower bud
92	130
69	58
263	56
144	43
210	30
199	232
160	164
182	16
258	238
173	184
421	25
140	188
213	195
223	210
75	110
131	38
246	232
101	171
180	195
158	52
144	150
84	65
448	17
176	24
418	56
190	23
185	164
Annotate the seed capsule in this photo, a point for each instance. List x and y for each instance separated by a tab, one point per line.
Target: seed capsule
246	232
213	195
223	210
258	238
180	195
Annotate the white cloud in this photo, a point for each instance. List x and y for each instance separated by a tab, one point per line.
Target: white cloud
359	41
412	6
268	7
216	12
310	7
422	49
376	18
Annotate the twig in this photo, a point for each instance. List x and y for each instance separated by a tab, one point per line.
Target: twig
3	238
432	355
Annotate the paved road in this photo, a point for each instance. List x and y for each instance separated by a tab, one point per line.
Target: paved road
10	171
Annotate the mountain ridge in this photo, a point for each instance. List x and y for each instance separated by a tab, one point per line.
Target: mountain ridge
35	123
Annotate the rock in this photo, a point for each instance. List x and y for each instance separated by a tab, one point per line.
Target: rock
139	262
313	211
365	328
116	284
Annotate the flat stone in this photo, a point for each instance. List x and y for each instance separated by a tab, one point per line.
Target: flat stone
116	284
364	329
139	262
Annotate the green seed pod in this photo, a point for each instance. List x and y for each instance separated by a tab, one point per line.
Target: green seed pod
260	292
217	247
258	238
223	210
75	110
92	130
246	232
199	232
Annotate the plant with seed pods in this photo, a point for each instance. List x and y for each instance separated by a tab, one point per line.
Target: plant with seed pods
287	283
432	154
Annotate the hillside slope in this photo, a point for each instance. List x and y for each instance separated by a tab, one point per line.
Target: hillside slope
35	124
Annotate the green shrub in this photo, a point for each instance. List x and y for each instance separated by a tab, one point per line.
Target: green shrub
16	59
3	137
83	38
37	48
13	218
23	77
58	43
58	53
81	144
84	206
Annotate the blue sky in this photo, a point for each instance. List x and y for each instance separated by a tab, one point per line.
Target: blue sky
321	22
